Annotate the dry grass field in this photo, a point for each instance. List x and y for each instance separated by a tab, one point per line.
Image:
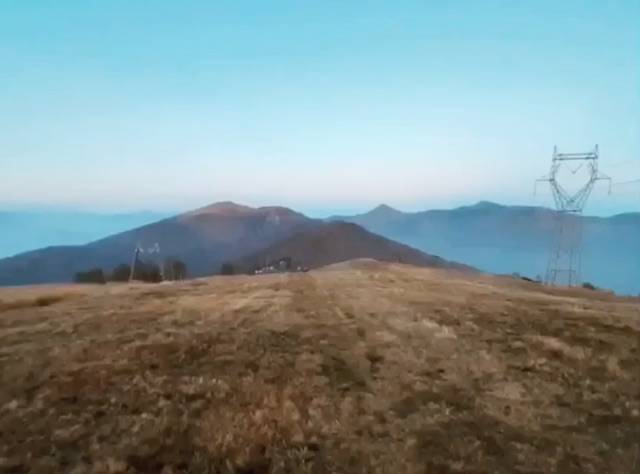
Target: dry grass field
360	367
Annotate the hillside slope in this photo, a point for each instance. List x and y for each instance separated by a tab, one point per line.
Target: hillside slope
375	368
202	239
336	242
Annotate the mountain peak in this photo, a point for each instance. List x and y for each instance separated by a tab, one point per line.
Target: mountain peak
384	209
486	205
227	208
231	209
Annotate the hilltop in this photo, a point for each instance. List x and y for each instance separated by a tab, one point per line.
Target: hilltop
358	367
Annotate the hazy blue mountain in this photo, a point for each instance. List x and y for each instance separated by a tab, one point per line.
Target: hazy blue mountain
23	231
508	239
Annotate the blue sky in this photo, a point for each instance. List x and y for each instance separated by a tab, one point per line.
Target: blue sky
322	106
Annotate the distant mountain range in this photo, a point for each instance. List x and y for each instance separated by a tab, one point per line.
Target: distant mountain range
21	231
207	237
487	236
508	239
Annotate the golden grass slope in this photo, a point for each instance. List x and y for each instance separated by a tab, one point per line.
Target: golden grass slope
360	367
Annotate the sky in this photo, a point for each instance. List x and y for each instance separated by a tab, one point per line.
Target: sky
331	106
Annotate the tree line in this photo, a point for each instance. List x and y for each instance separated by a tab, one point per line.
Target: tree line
172	269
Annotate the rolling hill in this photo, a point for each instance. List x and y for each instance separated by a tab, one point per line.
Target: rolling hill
376	368
508	239
337	242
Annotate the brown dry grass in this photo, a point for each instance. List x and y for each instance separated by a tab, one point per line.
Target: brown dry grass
44	300
360	368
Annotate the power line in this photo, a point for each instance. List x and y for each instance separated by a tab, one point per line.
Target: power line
624	163
633	181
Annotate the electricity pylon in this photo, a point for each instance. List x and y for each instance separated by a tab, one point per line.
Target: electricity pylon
136	254
565	261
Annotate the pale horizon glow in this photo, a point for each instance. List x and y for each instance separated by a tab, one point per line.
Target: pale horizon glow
323	107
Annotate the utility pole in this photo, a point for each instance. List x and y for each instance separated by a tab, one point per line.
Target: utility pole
136	253
564	265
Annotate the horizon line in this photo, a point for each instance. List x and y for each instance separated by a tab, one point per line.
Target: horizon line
39	208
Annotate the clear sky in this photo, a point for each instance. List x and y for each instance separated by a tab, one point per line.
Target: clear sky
323	106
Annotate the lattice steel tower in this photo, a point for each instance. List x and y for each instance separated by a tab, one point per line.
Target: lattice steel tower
565	261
